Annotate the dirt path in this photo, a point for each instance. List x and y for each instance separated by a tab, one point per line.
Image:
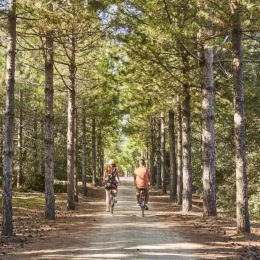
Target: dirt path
164	233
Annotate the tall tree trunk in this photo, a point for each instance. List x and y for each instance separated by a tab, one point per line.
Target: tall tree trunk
20	141
186	141
1	145
179	153
94	170
163	167
243	223
208	132
42	150
35	146
7	213
102	159
173	172
76	196
49	127
71	130
152	150
70	150
84	155
158	171
99	156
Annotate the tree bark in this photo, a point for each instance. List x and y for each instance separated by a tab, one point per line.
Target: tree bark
173	172
179	153
7	212
152	150
94	170
163	172
208	131
49	127
243	223
35	146
20	141
71	130
158	171
99	149
186	144
84	156
1	145
76	196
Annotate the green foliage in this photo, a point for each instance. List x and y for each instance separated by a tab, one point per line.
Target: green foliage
60	187
254	204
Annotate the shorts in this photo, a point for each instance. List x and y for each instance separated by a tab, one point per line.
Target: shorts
146	191
111	184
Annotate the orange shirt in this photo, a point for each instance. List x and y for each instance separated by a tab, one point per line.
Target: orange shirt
141	177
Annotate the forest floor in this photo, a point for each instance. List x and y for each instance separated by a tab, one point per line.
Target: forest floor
73	231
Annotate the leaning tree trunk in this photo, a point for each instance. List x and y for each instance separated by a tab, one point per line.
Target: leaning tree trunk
243	223
158	171
71	130
7	212
208	132
179	153
152	150
186	141
49	127
173	172
94	170
20	141
163	167
84	155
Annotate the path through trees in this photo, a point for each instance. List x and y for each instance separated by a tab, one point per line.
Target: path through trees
164	233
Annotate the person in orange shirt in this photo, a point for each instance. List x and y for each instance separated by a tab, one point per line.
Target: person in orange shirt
142	181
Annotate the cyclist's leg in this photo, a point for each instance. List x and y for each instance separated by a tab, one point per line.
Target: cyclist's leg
115	194
146	195
107	198
146	198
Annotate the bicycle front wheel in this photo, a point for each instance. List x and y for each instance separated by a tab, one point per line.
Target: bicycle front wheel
111	209
112	204
142	207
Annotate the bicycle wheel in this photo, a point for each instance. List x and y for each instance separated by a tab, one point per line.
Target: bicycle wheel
111	209
142	206
142	211
112	203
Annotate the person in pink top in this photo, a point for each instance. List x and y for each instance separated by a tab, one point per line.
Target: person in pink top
142	181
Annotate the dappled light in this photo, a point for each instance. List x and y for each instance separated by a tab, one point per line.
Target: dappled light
163	233
129	129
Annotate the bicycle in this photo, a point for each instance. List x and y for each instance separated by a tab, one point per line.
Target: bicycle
142	201
112	200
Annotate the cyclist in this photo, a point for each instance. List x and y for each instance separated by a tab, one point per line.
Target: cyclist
111	178
142	181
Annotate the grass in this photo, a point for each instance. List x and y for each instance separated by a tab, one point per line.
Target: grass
22	201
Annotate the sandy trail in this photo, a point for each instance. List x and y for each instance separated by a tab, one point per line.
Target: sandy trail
125	235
